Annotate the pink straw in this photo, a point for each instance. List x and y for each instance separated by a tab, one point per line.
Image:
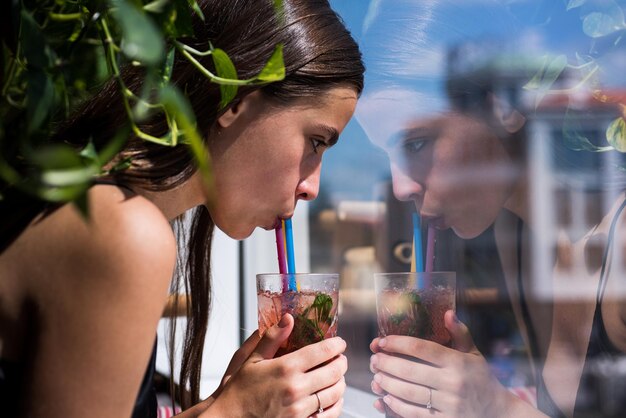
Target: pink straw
280	249
430	249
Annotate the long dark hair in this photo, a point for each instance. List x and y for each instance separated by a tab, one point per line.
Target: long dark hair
319	54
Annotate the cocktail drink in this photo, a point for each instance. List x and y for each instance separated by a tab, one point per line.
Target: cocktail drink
311	300
414	304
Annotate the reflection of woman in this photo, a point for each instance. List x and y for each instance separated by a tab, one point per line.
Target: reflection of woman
81	299
447	171
466	169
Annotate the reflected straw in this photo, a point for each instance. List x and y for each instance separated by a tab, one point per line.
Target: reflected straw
416	255
430	249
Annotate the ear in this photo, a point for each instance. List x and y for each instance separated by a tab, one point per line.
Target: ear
510	118
238	109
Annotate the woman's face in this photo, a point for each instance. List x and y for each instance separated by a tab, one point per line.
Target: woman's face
455	169
267	158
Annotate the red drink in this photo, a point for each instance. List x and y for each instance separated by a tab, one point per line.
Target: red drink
416	313
314	313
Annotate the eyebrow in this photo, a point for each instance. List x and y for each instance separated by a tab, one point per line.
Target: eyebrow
406	133
331	133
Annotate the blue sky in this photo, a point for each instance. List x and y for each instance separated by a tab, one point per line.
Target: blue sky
418	33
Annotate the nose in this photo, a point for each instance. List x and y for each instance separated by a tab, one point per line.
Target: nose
405	188
309	187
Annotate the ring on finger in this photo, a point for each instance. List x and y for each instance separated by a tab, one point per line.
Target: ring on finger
429	404
319	404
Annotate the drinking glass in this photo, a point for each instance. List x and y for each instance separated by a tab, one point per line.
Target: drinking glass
310	298
414	304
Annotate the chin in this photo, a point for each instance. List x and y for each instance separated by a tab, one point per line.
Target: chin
237	233
468	233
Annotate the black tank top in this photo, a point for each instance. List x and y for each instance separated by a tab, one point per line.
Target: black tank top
11	378
602	388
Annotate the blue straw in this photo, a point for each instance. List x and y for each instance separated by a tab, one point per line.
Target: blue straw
291	261
417	237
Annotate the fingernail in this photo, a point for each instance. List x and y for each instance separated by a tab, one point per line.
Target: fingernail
283	322
387	399
373	364
378	378
382	342
375	389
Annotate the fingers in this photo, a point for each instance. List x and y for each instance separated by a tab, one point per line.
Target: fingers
374	345
272	339
405	409
461	337
415	347
410	370
327	399
379	404
333	411
315	354
327	375
410	392
244	351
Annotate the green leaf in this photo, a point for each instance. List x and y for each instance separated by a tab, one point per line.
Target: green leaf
40	99
178	107
33	42
323	305
597	24
183	22
81	203
575	3
535	81
279	7
616	134
225	69
75	176
89	152
56	156
274	69
169	66
545	77
142	41
573	137
156	6
196	8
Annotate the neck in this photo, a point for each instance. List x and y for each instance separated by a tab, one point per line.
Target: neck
176	201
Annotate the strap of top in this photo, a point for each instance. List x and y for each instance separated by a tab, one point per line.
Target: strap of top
605	257
532	335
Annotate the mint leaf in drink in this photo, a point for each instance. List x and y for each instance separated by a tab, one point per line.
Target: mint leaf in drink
323	305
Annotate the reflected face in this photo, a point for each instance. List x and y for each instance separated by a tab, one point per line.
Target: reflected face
268	158
455	169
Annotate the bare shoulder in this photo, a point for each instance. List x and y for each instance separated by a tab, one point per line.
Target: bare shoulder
124	239
99	286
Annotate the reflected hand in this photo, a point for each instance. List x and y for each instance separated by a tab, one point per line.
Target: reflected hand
455	382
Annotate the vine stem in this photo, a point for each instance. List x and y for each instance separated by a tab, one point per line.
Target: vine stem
110	55
225	81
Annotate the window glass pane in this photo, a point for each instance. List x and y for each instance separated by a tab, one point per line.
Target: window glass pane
503	124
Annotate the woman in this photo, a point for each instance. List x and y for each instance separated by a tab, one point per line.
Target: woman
81	300
472	163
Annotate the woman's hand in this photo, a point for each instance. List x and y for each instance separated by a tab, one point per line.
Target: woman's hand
454	382
256	384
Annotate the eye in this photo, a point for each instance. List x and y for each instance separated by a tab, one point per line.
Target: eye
317	143
413	145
